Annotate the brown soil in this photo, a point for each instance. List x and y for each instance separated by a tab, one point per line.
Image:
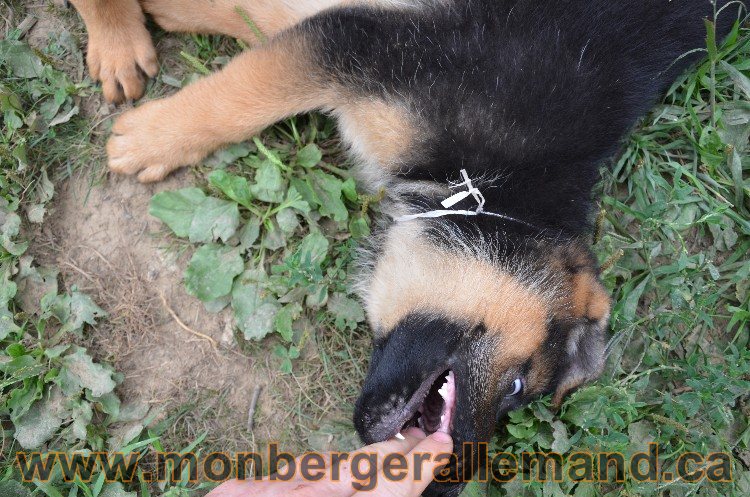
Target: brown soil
105	242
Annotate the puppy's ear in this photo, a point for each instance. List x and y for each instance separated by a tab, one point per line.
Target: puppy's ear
586	342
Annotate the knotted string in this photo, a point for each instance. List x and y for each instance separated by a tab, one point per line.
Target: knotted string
456	198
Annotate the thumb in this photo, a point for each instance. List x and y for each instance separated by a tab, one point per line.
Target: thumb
426	459
440	446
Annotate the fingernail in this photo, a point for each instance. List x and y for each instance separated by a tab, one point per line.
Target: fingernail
441	437
416	432
400	436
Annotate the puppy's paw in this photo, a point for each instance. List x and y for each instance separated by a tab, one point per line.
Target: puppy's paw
153	140
121	56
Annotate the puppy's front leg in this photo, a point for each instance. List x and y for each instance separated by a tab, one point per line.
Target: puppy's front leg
255	90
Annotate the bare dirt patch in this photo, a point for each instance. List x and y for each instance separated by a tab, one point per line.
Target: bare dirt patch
105	243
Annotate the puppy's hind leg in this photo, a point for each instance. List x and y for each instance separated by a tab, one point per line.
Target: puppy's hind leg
120	51
226	16
255	90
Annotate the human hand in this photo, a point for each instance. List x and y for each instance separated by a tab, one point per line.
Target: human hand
350	481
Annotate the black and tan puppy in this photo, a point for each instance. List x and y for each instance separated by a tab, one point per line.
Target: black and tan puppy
518	102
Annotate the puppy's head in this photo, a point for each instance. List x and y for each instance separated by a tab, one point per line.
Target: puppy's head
465	335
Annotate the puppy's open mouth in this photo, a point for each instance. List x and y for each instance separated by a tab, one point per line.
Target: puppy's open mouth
433	405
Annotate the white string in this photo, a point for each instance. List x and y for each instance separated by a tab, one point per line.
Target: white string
456	198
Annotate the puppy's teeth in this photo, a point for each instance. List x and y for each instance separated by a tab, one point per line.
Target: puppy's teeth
443	391
400	436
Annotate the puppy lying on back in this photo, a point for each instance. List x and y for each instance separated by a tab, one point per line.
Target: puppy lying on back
480	301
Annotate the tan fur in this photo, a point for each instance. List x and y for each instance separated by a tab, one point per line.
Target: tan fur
415	276
221	16
589	299
583	296
255	90
119	47
377	131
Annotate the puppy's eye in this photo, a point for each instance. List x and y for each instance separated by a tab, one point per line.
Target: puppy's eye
517	387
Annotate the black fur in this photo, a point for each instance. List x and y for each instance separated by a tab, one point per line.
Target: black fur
534	93
530	96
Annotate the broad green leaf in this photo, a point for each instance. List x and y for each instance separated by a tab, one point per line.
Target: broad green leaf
7	326
79	371
358	226
110	404
234	187
21	399
214	219
212	269
562	443
83	310
295	200
317	296
35	213
269	184
249	233
293	352
274	238
328	189
227	155
347	311
287	220
349	189
216	306
10	224
56	351
81	413
313	248
254	307
63	117
286	366
41	421
176	209
17	365
284	319
21	59
33	284
304	188
309	155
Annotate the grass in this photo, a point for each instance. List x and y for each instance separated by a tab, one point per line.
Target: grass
279	218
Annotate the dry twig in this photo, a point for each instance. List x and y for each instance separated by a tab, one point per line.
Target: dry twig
253	405
186	327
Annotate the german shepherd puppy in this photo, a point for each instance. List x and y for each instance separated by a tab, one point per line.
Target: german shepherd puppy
485	121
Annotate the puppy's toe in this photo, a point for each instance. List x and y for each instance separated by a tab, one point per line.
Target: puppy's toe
123	154
131	81
147	61
154	173
111	88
